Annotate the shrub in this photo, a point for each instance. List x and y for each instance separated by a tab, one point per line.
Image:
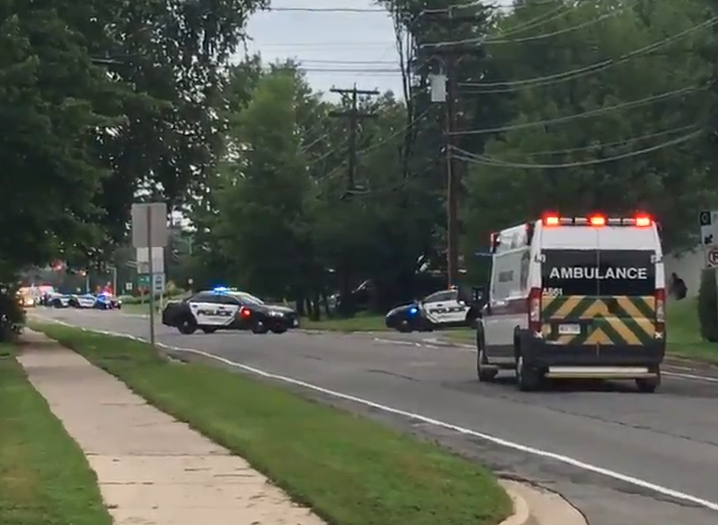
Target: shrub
708	306
12	316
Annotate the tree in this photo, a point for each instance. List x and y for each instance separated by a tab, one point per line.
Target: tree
586	103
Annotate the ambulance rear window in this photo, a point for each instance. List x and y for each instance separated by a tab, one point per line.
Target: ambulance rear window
598	272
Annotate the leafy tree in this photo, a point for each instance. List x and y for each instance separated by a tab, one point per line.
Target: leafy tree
638	88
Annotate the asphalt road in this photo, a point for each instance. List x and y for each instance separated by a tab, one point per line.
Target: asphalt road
620	457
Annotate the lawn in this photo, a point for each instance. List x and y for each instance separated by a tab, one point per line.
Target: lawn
360	323
350	470
684	332
44	477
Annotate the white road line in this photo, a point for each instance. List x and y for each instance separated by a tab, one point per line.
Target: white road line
660	489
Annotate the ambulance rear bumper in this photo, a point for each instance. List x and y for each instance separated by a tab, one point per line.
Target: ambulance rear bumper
616	361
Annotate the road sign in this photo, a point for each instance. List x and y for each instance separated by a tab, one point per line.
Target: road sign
143	260
143	281
708	221
158	281
712	258
149	225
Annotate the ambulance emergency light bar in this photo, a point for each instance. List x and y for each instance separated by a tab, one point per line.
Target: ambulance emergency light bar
641	221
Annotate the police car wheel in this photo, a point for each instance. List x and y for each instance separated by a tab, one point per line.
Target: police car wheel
405	327
484	370
527	379
279	330
187	327
258	327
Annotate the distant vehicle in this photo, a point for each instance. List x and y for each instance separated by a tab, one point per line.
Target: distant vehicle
574	297
82	301
227	309
107	301
57	300
443	309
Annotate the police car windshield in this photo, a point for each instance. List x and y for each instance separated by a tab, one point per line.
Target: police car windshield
598	272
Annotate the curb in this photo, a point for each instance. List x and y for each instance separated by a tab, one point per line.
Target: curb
522	514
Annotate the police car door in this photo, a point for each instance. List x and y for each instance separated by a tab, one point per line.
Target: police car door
436	307
208	310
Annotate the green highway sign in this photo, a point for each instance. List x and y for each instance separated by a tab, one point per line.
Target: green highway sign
143	281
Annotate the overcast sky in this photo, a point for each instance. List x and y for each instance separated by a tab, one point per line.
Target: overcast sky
329	41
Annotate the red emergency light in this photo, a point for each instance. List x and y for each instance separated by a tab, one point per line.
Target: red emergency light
597	220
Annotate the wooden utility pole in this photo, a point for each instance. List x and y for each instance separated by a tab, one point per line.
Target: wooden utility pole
354	115
449	55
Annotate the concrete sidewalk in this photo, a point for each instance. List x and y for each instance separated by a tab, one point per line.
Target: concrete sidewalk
154	470
151	469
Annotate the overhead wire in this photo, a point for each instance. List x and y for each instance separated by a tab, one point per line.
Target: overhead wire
558	120
585	70
623	142
497	163
533	38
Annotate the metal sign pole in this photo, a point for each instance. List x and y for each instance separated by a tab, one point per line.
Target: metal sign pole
152	281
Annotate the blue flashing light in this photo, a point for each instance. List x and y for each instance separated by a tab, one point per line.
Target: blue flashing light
413	310
220	289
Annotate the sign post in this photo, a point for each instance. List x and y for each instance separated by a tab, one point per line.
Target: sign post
708	221
149	231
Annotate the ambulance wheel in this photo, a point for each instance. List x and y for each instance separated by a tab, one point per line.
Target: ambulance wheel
484	370
527	379
209	330
648	385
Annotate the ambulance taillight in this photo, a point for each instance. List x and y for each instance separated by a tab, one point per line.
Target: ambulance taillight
534	308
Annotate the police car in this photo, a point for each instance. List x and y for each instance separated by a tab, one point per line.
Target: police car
575	297
443	309
227	309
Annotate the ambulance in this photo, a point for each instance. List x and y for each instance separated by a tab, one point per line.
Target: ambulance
575	297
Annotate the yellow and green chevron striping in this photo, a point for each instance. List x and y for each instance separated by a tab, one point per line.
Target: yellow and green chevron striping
614	320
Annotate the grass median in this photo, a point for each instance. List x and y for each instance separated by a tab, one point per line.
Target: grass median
44	477
350	470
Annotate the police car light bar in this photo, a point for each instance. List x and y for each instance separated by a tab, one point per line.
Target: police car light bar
642	221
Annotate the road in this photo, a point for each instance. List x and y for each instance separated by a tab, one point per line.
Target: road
620	457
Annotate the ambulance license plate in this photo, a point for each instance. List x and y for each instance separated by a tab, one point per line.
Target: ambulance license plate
569	329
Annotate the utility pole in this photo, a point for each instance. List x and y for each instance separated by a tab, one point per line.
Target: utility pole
354	115
449	55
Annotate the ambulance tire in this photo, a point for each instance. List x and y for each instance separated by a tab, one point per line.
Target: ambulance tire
648	385
485	371
527	379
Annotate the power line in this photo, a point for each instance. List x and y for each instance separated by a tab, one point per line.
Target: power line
498	40
513	85
624	142
497	163
585	114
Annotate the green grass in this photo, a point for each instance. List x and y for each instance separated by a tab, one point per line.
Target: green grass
359	323
350	470
684	332
44	477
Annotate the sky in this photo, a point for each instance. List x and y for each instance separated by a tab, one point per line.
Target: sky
337	49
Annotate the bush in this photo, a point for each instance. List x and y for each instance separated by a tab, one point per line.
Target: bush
12	316
708	306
